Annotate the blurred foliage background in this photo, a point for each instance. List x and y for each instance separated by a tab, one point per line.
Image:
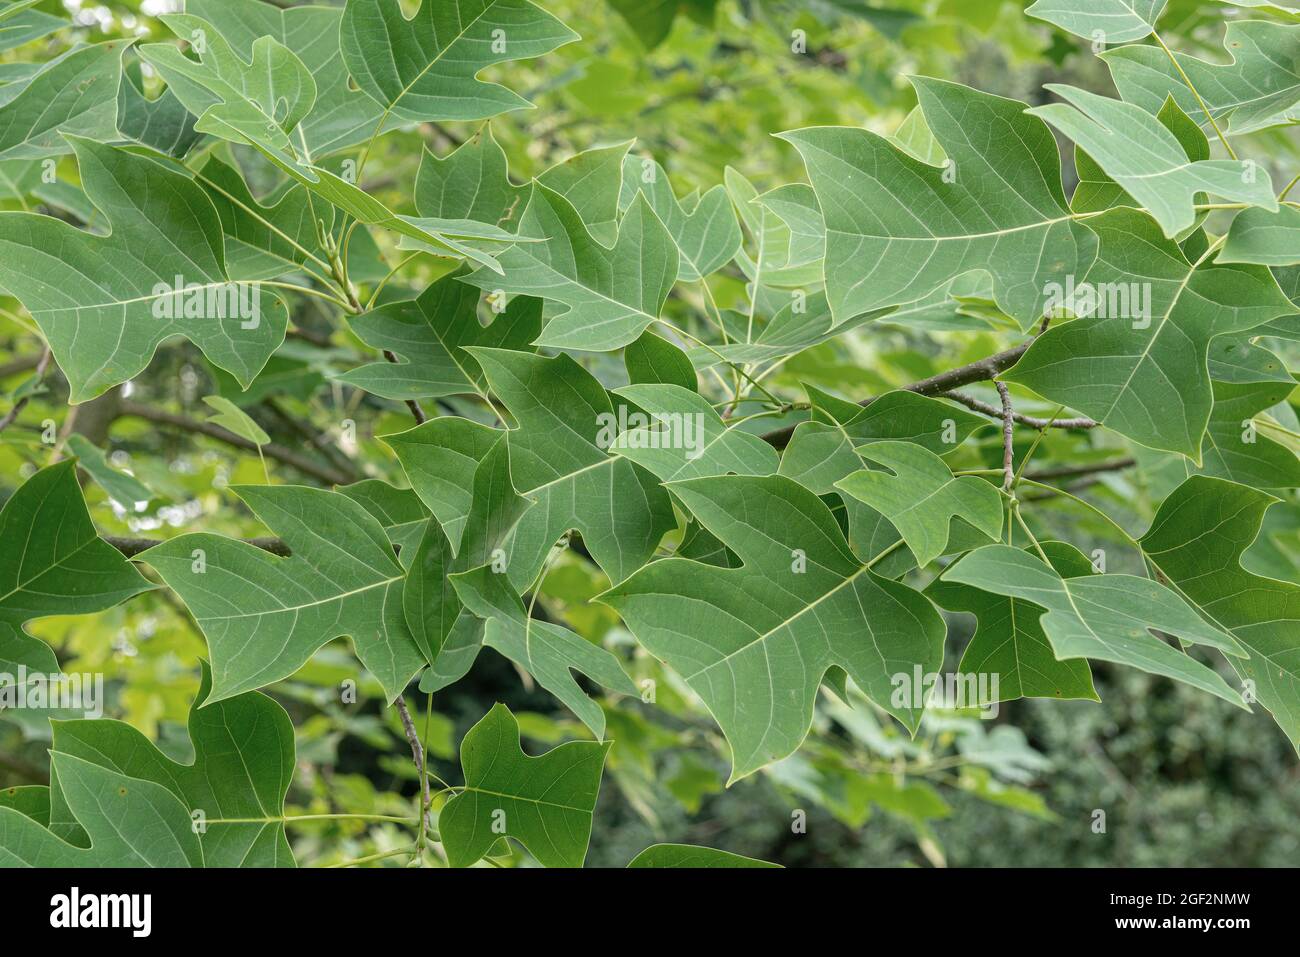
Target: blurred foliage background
1181	777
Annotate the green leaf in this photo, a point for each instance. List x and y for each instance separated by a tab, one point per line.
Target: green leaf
706	234
440	458
19	24
547	651
162	124
430	336
685	438
116	306
1236	449
264	616
74	94
690	856
234	419
448	633
560	412
122	487
1258	88
1197	540
342	116
1009	641
473	183
823	451
1106	21
999	206
922	497
282	236
653	360
129	823
426	68
1136	360
243	764
1260	236
1148	161
1106	617
273	85
612	293
545	802
756	642
53	563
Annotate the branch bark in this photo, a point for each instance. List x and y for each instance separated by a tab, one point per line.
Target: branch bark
302	463
1008	437
981	370
417	752
1113	465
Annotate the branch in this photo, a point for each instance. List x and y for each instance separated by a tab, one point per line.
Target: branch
302	463
417	752
975	405
981	370
1008	437
1114	465
130	547
412	404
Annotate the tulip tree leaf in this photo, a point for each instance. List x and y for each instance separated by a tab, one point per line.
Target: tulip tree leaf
234	419
273	83
556	460
448	633
1258	88
707	235
53	562
543	802
823	451
426	67
243	763
921	497
1147	160
685	437
652	360
1107	617
429	336
342	116
898	229
1111	21
755	642
1009	641
105	307
264	616
1137	361
1197	540
1265	237
129	823
125	489
74	95
546	651
613	293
